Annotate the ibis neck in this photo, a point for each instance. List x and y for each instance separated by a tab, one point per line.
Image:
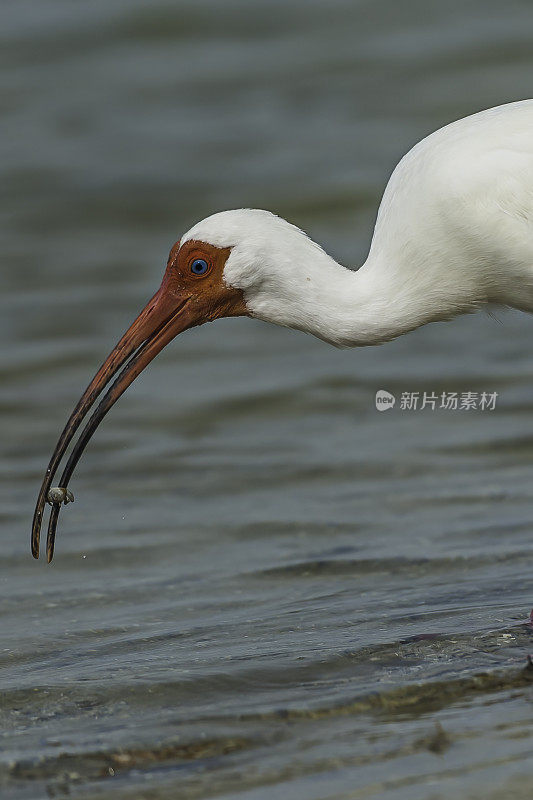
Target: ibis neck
379	302
374	304
389	297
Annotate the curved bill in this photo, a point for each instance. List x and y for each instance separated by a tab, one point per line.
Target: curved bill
168	313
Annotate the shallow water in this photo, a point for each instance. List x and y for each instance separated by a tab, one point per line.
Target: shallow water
265	588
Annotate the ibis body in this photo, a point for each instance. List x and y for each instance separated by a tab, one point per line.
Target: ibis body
454	231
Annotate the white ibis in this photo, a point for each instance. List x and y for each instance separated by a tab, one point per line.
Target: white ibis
454	231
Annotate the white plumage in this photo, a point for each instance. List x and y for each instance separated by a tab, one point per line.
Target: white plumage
454	230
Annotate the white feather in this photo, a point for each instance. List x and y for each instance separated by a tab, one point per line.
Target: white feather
454	230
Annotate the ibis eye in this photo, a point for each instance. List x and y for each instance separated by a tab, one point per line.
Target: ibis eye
199	266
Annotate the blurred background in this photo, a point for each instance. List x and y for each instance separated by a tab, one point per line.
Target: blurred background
265	587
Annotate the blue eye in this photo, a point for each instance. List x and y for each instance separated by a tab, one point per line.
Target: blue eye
199	266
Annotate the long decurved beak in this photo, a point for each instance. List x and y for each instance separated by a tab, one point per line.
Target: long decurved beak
167	314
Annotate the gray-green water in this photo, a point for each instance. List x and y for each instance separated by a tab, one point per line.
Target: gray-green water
266	588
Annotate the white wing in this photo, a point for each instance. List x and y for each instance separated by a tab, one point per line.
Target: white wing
457	213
